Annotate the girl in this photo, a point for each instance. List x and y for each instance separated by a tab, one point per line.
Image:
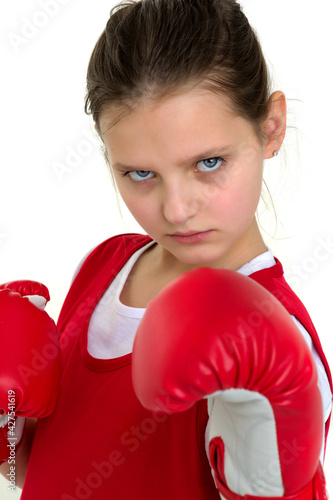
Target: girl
179	93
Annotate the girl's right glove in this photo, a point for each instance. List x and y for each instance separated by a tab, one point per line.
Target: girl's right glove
30	360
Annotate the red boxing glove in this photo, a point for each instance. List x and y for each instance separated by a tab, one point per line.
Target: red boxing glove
30	363
197	340
36	292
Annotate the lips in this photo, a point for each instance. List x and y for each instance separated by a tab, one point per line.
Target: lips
191	233
190	236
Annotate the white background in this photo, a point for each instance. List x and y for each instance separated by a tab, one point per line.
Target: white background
49	221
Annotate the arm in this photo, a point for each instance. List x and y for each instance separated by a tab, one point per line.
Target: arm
22	454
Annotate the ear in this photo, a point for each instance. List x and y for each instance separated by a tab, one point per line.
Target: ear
275	124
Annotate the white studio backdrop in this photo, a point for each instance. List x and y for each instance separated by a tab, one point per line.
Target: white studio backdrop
57	199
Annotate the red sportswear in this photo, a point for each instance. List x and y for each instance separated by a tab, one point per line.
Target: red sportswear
100	443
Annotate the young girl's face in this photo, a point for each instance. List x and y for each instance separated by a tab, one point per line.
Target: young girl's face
190	172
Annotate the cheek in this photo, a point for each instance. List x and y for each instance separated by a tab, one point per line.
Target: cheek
144	210
236	200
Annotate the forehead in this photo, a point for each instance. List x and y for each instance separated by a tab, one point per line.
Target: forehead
173	103
172	129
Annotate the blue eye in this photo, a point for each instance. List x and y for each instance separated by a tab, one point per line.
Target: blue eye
140	175
210	164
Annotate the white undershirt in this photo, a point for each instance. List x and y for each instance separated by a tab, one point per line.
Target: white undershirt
113	325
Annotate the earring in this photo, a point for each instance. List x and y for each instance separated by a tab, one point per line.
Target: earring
275	153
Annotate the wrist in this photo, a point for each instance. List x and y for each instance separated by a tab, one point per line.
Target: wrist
11	433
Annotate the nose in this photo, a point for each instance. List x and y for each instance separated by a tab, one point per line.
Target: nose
180	202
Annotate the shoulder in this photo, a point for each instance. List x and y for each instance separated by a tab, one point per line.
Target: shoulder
123	244
274	281
98	269
119	247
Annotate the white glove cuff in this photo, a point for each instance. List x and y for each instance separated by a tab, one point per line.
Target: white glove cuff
37	300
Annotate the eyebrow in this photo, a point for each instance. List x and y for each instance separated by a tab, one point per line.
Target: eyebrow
204	155
210	153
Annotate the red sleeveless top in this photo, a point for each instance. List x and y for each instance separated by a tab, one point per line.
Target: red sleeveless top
100	443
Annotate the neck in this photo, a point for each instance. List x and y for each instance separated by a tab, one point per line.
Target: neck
246	248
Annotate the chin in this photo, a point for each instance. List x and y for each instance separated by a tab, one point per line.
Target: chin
197	257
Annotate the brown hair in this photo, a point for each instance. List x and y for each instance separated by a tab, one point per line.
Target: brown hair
150	48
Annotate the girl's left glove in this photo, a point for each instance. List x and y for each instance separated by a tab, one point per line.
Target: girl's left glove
219	335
